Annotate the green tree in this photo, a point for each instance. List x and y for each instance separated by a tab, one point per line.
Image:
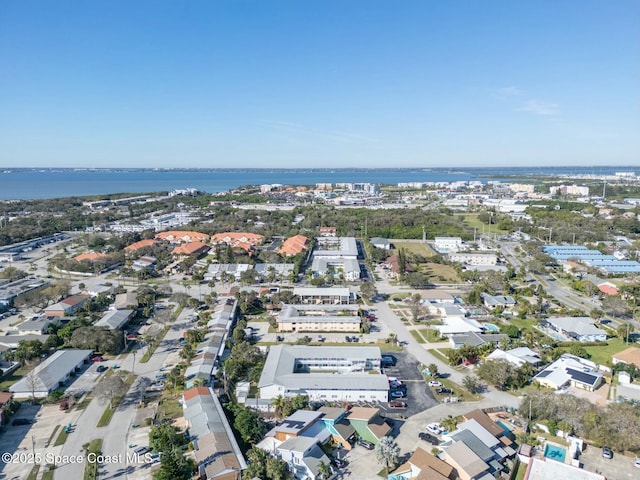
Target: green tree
165	437
174	466
249	425
472	384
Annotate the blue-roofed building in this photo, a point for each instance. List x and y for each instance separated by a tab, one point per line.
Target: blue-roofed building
593	258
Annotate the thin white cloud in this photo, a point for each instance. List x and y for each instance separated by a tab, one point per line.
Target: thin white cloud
510	91
537	107
346	137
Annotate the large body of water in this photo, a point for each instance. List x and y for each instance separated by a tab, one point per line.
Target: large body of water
56	183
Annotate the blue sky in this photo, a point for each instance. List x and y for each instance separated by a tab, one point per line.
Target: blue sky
323	83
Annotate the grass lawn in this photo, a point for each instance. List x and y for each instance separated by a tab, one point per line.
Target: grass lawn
33	474
521	469
91	469
602	354
62	437
414	247
437	270
48	474
441	353
53	434
522	323
169	407
152	347
458	391
415	334
431	335
16	375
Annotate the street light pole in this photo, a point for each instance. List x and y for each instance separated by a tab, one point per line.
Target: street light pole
133	367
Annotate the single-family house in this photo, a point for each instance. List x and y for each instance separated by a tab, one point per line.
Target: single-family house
66	307
424	466
546	469
516	356
475	339
495	301
570	370
382	243
335	421
368	423
115	319
303	455
581	329
468	464
629	356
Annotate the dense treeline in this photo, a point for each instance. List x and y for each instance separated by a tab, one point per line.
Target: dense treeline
616	425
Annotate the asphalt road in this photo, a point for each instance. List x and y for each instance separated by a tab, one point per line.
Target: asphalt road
115	434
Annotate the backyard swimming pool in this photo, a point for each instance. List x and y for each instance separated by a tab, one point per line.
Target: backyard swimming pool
554	452
491	327
506	428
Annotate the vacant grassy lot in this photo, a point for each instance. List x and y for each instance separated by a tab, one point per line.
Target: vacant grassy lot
440	273
471	219
603	354
418	248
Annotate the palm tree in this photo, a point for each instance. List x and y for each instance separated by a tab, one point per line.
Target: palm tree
324	471
279	403
450	423
387	452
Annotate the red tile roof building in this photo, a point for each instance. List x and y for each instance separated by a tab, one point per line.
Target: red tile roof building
89	257
141	244
181	236
243	240
294	245
192	248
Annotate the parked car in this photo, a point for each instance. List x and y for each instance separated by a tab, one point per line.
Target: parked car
101	369
339	463
397	404
444	391
366	444
427	437
64	405
398	394
388	361
21	421
606	452
434	428
636	463
435	383
395	382
355	339
97	359
347	339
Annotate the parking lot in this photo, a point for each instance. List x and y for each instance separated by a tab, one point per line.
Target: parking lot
619	467
419	395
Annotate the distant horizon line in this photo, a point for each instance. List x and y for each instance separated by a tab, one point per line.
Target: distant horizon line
486	167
